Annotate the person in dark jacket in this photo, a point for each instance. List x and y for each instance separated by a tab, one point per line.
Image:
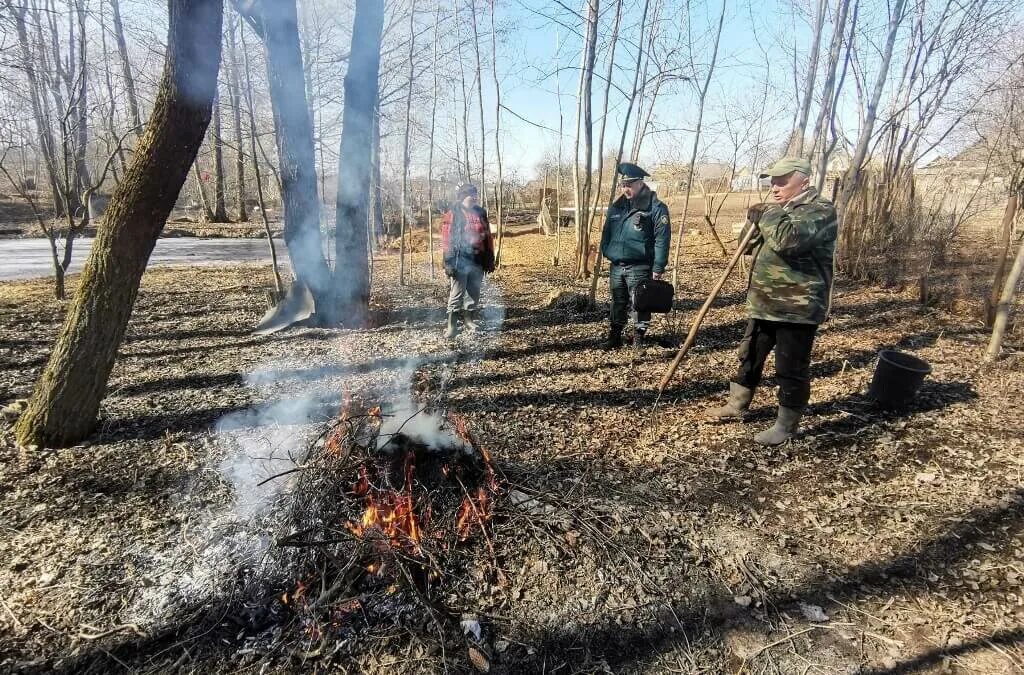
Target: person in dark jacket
635	240
468	249
788	296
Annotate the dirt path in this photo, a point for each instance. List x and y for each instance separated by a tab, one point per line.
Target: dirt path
647	541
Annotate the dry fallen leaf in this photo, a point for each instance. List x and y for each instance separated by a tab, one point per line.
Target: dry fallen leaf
479	661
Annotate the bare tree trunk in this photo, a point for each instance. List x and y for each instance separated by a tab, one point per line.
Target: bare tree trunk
405	144
480	104
277	25
430	158
612	43
204	202
377	207
796	143
1004	253
556	258
81	105
126	66
584	127
108	81
701	100
622	144
497	138
234	94
37	97
465	110
852	179
1005	302
66	399
829	96
220	212
351	286
279	290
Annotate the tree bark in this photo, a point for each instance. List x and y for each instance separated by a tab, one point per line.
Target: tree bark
126	66
852	179
500	201
250	107
234	95
480	104
351	288
277	25
584	127
796	146
430	157
220	212
1003	309
37	97
622	142
66	399
701	100
1004	253
405	144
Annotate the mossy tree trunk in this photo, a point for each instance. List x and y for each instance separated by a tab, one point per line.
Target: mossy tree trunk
66	399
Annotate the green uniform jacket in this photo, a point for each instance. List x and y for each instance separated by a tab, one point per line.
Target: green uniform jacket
791	273
637	232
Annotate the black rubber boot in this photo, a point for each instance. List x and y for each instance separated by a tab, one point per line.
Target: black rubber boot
614	340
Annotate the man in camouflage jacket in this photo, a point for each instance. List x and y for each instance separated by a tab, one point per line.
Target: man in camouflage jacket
635	239
788	295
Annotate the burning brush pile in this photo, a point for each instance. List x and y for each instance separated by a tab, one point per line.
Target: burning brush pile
387	512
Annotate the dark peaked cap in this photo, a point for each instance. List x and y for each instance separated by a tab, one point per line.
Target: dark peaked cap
632	171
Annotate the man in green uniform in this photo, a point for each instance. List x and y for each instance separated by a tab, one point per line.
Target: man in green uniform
788	295
635	240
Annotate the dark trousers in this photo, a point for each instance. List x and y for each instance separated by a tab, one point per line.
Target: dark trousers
792	343
622	281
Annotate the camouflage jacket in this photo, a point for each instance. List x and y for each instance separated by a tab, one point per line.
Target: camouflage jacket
791	272
637	232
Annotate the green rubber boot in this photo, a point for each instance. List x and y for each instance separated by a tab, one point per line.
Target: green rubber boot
452	329
784	429
736	407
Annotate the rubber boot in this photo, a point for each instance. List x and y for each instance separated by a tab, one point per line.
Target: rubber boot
785	428
471	317
452	329
614	340
640	338
736	407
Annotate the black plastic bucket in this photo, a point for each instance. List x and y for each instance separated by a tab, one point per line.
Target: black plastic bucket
898	377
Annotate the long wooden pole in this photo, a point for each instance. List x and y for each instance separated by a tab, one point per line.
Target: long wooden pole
699	319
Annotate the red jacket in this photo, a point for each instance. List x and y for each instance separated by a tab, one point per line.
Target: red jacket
466	237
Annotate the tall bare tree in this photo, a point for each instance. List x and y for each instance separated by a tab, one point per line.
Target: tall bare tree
276	23
702	95
351	283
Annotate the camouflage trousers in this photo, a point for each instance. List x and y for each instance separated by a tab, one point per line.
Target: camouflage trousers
792	343
622	280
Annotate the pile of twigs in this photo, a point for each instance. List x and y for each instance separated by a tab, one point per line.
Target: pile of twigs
379	524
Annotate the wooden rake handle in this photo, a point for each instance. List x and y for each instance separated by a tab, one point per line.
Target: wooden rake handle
699	319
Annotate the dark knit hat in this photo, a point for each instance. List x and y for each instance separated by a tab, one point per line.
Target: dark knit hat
463	190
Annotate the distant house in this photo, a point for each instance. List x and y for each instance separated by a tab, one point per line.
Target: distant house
970	173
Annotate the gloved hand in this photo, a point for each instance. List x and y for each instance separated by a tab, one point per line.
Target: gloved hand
755	212
449	268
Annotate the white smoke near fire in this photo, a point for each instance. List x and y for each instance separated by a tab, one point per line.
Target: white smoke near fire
261	448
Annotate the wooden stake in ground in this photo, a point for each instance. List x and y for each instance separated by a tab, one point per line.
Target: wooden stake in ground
692	336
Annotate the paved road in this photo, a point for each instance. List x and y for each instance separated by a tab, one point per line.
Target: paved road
28	258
